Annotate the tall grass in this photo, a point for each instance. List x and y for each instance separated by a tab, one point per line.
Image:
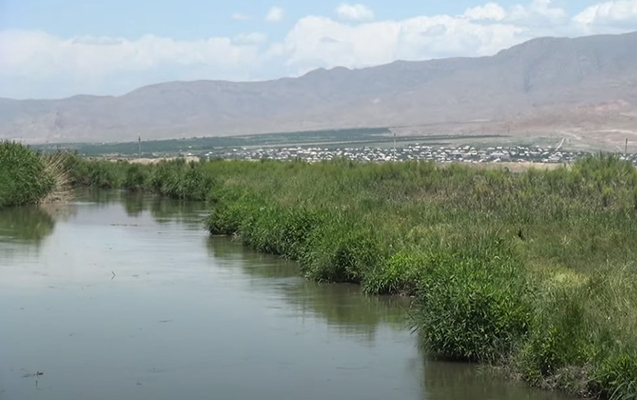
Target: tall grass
23	176
534	270
175	179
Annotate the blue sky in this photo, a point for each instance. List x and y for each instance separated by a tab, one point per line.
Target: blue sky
57	48
194	19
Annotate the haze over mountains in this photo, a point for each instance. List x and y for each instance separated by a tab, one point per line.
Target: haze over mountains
583	88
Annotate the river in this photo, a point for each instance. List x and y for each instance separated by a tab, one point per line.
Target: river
120	296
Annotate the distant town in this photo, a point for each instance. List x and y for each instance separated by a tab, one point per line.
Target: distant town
362	144
442	154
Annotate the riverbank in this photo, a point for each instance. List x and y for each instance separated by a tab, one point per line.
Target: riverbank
250	313
532	271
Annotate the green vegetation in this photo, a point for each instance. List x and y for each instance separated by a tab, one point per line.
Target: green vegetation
176	179
532	271
24	178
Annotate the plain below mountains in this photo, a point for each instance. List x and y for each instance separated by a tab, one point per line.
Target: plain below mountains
584	89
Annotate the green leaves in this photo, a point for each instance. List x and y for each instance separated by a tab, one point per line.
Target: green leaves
23	177
472	306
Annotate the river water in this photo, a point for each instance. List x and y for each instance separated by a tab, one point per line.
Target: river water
119	296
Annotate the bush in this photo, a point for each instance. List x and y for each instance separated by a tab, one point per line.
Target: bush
104	175
230	206
23	176
473	306
341	251
400	274
136	177
277	230
559	336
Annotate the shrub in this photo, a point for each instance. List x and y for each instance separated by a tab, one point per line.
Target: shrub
473	306
559	335
23	178
400	274
136	177
341	251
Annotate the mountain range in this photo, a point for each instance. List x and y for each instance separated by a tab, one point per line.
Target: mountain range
582	88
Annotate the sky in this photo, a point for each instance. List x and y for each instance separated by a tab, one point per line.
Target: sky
60	48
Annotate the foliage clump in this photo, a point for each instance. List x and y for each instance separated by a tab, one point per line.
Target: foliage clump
23	176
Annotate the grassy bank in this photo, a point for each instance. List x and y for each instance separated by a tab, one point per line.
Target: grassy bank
24	178
532	271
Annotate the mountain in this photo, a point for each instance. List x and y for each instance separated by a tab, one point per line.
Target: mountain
585	87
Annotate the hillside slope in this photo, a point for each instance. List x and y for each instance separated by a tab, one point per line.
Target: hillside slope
586	84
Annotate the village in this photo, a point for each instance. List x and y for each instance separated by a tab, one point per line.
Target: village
442	154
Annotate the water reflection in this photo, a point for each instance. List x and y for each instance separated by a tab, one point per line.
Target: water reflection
32	224
28	224
342	306
134	203
162	210
451	381
97	197
170	210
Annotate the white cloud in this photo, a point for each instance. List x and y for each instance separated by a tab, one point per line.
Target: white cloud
250	38
540	13
275	14
354	12
241	17
34	63
536	13
611	13
319	41
484	30
489	11
37	54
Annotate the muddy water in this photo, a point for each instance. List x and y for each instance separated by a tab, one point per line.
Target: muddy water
126	297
